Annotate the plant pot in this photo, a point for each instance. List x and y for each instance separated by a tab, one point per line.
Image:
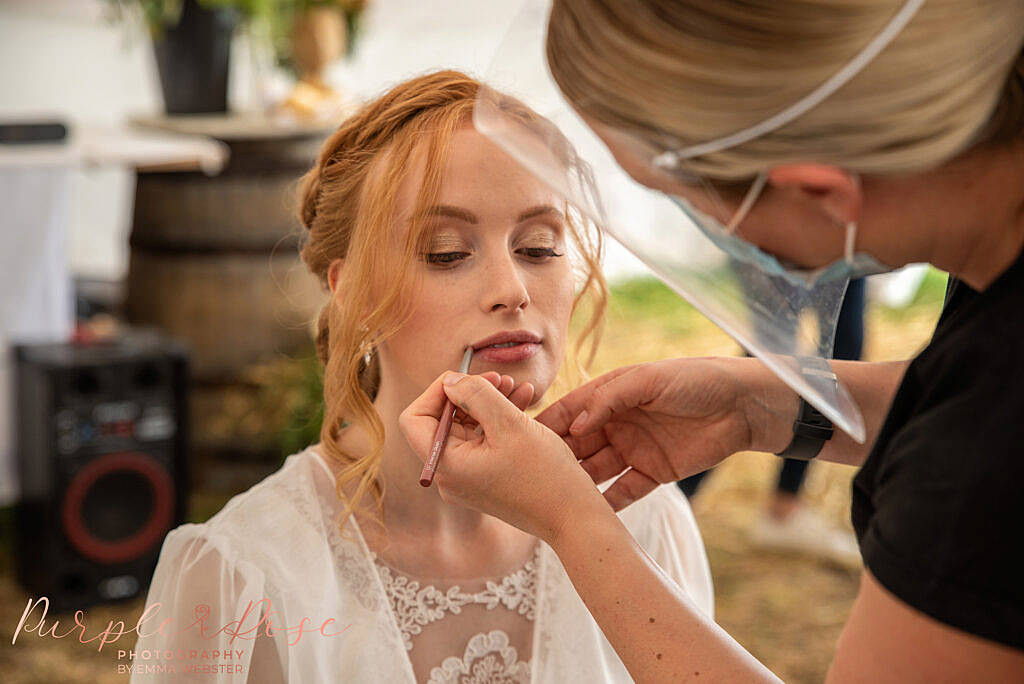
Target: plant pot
192	58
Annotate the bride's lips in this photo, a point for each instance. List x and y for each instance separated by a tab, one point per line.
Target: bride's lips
519	345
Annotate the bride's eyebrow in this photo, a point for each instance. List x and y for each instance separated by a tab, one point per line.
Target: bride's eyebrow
451	212
540	210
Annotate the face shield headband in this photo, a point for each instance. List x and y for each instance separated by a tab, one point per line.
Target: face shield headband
670	159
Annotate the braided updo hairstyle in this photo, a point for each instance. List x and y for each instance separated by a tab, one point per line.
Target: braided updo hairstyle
347	202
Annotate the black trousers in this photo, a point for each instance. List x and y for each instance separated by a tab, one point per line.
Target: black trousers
849	345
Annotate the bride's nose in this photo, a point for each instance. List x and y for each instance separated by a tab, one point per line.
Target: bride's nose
503	286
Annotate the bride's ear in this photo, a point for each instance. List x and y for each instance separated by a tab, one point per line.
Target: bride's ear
334	272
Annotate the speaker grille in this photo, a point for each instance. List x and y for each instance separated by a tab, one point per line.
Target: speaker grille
118	506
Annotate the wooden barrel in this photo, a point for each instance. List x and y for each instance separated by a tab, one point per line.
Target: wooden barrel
214	260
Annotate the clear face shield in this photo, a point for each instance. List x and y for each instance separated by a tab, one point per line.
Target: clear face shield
683	228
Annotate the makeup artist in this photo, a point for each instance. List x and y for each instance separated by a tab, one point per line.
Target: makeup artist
872	134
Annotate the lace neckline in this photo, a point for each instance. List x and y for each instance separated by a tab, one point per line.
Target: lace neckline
415	604
526	600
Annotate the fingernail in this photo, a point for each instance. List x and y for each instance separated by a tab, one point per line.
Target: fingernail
453	378
479	430
579	422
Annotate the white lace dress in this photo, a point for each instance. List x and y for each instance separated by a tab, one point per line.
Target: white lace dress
493	619
269	590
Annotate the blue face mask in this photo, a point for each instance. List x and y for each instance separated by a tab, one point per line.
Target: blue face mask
851	266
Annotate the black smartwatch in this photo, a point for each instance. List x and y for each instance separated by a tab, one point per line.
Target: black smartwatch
810	432
811	429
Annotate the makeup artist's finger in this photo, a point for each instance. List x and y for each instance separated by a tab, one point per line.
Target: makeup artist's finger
462	433
604	465
495	379
522	396
519	395
507	383
625	391
483	401
586	446
633	485
420	419
561	415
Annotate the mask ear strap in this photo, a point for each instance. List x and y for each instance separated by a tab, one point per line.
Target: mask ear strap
671	158
851	239
748	202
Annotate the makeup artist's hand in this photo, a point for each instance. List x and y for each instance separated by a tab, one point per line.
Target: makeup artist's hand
667	420
515	469
521	396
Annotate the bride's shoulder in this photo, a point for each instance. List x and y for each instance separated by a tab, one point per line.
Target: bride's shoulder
280	506
279	528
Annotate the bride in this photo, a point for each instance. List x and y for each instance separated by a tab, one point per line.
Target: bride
340	567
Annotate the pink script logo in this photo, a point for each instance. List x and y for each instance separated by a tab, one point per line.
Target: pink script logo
201	617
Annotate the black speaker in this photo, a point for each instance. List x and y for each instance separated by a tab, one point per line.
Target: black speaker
101	438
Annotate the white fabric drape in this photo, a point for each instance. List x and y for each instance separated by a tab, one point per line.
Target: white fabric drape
36	297
277	543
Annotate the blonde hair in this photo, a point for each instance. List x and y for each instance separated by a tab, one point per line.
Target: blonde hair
347	204
676	73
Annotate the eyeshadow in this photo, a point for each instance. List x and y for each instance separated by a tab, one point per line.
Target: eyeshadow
443	241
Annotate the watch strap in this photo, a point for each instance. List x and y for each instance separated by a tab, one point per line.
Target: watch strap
810	432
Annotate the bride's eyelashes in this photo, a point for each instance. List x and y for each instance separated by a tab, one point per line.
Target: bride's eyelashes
443	258
450	259
540	252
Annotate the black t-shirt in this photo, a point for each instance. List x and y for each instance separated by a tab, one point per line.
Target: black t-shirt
938	506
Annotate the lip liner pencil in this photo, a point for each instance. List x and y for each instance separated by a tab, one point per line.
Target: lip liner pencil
443	428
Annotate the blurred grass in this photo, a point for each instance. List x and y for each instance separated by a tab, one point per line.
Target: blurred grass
787	610
649	300
927	299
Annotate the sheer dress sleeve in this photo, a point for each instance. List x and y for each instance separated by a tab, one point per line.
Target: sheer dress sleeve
665	527
202	616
